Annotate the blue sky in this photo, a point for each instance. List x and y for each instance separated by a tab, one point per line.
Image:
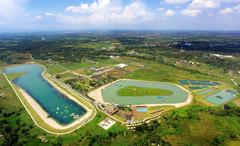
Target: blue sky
43	15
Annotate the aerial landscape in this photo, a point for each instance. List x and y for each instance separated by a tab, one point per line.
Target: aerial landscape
120	73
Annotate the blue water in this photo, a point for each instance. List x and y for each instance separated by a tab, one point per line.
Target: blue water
142	109
59	107
198	82
184	82
221	97
197	87
205	91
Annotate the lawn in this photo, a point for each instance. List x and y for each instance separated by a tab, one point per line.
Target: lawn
164	73
88	63
142	91
233	143
52	67
76	65
15	75
66	76
201	126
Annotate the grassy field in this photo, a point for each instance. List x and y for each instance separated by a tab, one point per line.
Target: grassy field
66	76
164	73
141	91
2	64
52	67
84	64
14	76
233	143
76	65
204	128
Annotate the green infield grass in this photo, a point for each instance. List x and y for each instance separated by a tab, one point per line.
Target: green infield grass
142	91
136	92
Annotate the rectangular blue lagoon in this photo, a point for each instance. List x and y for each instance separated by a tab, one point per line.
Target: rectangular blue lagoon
59	107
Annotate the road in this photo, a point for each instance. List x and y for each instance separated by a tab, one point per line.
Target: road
75	73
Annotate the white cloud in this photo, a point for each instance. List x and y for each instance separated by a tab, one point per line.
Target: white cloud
226	11
49	14
33	18
104	3
228	1
177	1
237	8
96	6
11	10
197	6
169	12
160	9
26	14
210	14
81	8
38	17
134	11
111	13
190	12
106	12
204	4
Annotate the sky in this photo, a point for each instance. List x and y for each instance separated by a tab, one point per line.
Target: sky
53	15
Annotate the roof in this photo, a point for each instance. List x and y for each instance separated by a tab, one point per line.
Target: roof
121	65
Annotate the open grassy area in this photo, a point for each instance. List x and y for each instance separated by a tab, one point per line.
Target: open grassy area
76	65
206	127
164	73
52	67
2	64
87	63
66	76
14	76
233	143
141	91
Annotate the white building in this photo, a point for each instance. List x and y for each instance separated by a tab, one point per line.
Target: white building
121	65
221	56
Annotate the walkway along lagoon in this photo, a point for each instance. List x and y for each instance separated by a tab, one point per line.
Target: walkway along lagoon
57	108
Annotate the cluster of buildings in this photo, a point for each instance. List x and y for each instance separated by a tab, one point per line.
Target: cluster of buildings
222	56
